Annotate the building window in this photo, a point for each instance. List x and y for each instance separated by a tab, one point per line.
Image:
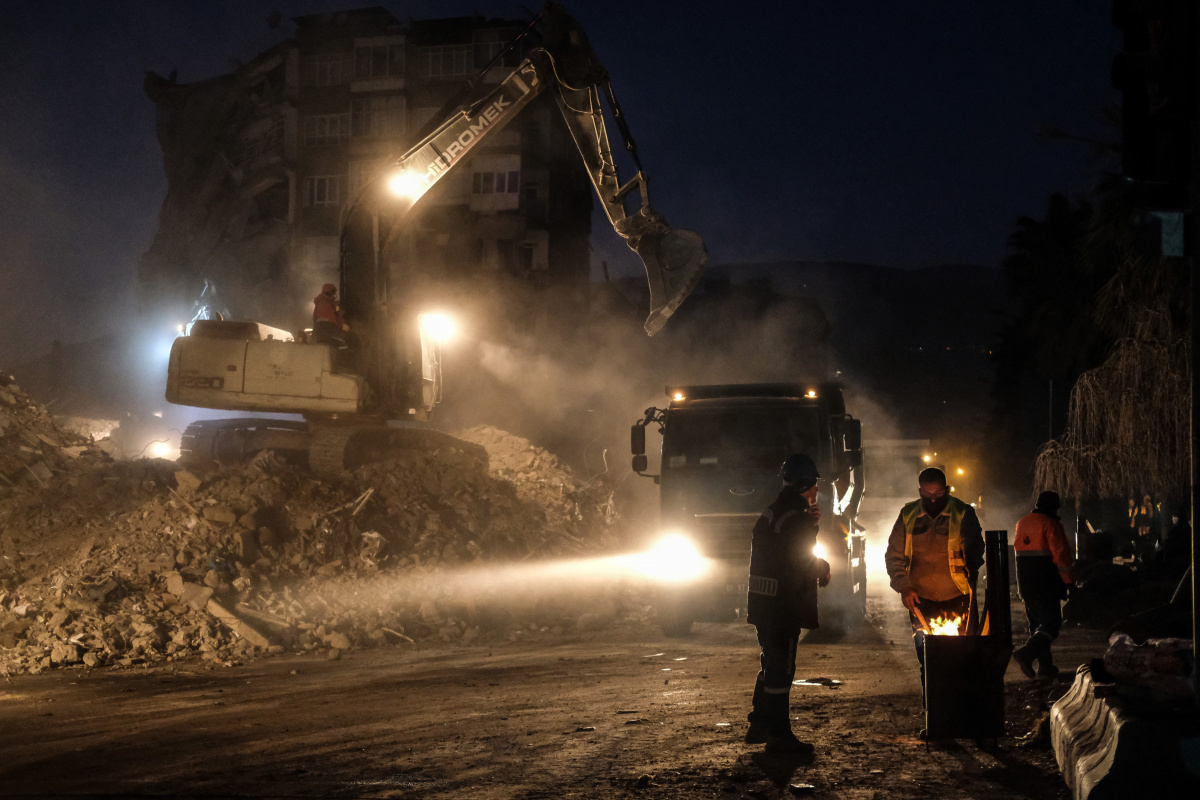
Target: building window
331	69
446	61
324	190
378	116
495	183
379	60
323	129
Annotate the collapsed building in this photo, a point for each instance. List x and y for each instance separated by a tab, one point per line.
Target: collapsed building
263	163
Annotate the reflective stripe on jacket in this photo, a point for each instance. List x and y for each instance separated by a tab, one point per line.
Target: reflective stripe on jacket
783	570
954	546
1042	536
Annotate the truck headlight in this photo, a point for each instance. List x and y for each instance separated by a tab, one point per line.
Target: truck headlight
673	559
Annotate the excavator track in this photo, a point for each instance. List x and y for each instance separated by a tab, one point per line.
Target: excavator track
232	441
327	451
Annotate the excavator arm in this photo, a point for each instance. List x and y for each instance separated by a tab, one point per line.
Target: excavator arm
674	259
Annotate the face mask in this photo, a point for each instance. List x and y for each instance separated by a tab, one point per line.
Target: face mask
935	507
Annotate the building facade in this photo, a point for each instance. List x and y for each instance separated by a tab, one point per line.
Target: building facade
265	164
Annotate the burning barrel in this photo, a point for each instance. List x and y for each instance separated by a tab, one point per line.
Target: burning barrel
965	664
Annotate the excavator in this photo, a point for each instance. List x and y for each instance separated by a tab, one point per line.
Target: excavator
357	410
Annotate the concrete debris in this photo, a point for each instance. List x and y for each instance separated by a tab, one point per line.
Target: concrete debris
238	625
109	563
34	450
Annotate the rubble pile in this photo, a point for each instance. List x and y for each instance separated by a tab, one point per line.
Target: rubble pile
140	562
33	449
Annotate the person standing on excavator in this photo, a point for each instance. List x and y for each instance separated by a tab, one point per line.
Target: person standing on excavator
933	557
328	325
782	600
1045	570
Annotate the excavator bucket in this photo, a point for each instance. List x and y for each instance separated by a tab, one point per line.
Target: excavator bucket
675	261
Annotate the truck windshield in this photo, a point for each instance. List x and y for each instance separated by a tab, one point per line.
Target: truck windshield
745	437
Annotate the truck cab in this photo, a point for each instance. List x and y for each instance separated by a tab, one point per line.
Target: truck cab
722	446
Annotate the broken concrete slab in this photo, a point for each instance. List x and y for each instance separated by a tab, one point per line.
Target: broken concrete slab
186	482
238	625
219	514
196	596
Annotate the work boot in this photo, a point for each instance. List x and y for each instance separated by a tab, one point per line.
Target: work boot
1024	656
757	733
768	717
1046	671
786	742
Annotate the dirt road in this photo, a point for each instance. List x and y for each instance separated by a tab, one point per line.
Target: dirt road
620	713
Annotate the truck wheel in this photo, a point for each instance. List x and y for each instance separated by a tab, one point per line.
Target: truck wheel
675	615
722	613
679	626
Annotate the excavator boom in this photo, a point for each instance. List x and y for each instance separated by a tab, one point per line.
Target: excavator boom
674	259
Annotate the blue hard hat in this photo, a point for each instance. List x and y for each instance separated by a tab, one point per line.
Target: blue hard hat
799	469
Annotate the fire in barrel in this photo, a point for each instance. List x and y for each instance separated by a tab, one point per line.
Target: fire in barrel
945	626
964	667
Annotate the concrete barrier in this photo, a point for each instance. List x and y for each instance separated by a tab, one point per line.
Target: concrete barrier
1113	746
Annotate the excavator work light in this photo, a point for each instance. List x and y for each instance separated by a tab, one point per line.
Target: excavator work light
162	450
441	327
406	184
677	396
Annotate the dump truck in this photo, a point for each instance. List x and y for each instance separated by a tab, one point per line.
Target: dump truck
721	449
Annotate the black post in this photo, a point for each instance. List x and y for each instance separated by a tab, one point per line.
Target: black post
998	606
1190	240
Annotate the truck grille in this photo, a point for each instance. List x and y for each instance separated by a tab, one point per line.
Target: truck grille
725	537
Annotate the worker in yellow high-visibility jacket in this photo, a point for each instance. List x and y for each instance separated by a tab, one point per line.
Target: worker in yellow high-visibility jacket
933	557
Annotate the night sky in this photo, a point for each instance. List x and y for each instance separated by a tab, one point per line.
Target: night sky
899	134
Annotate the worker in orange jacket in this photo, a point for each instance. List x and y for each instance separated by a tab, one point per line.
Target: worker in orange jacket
328	324
1045	570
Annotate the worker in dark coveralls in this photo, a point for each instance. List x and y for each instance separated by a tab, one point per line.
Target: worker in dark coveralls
933	557
1045	570
782	599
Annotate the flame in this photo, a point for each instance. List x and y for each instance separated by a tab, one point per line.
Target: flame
945	625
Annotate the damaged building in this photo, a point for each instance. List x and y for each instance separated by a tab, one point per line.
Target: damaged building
264	163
